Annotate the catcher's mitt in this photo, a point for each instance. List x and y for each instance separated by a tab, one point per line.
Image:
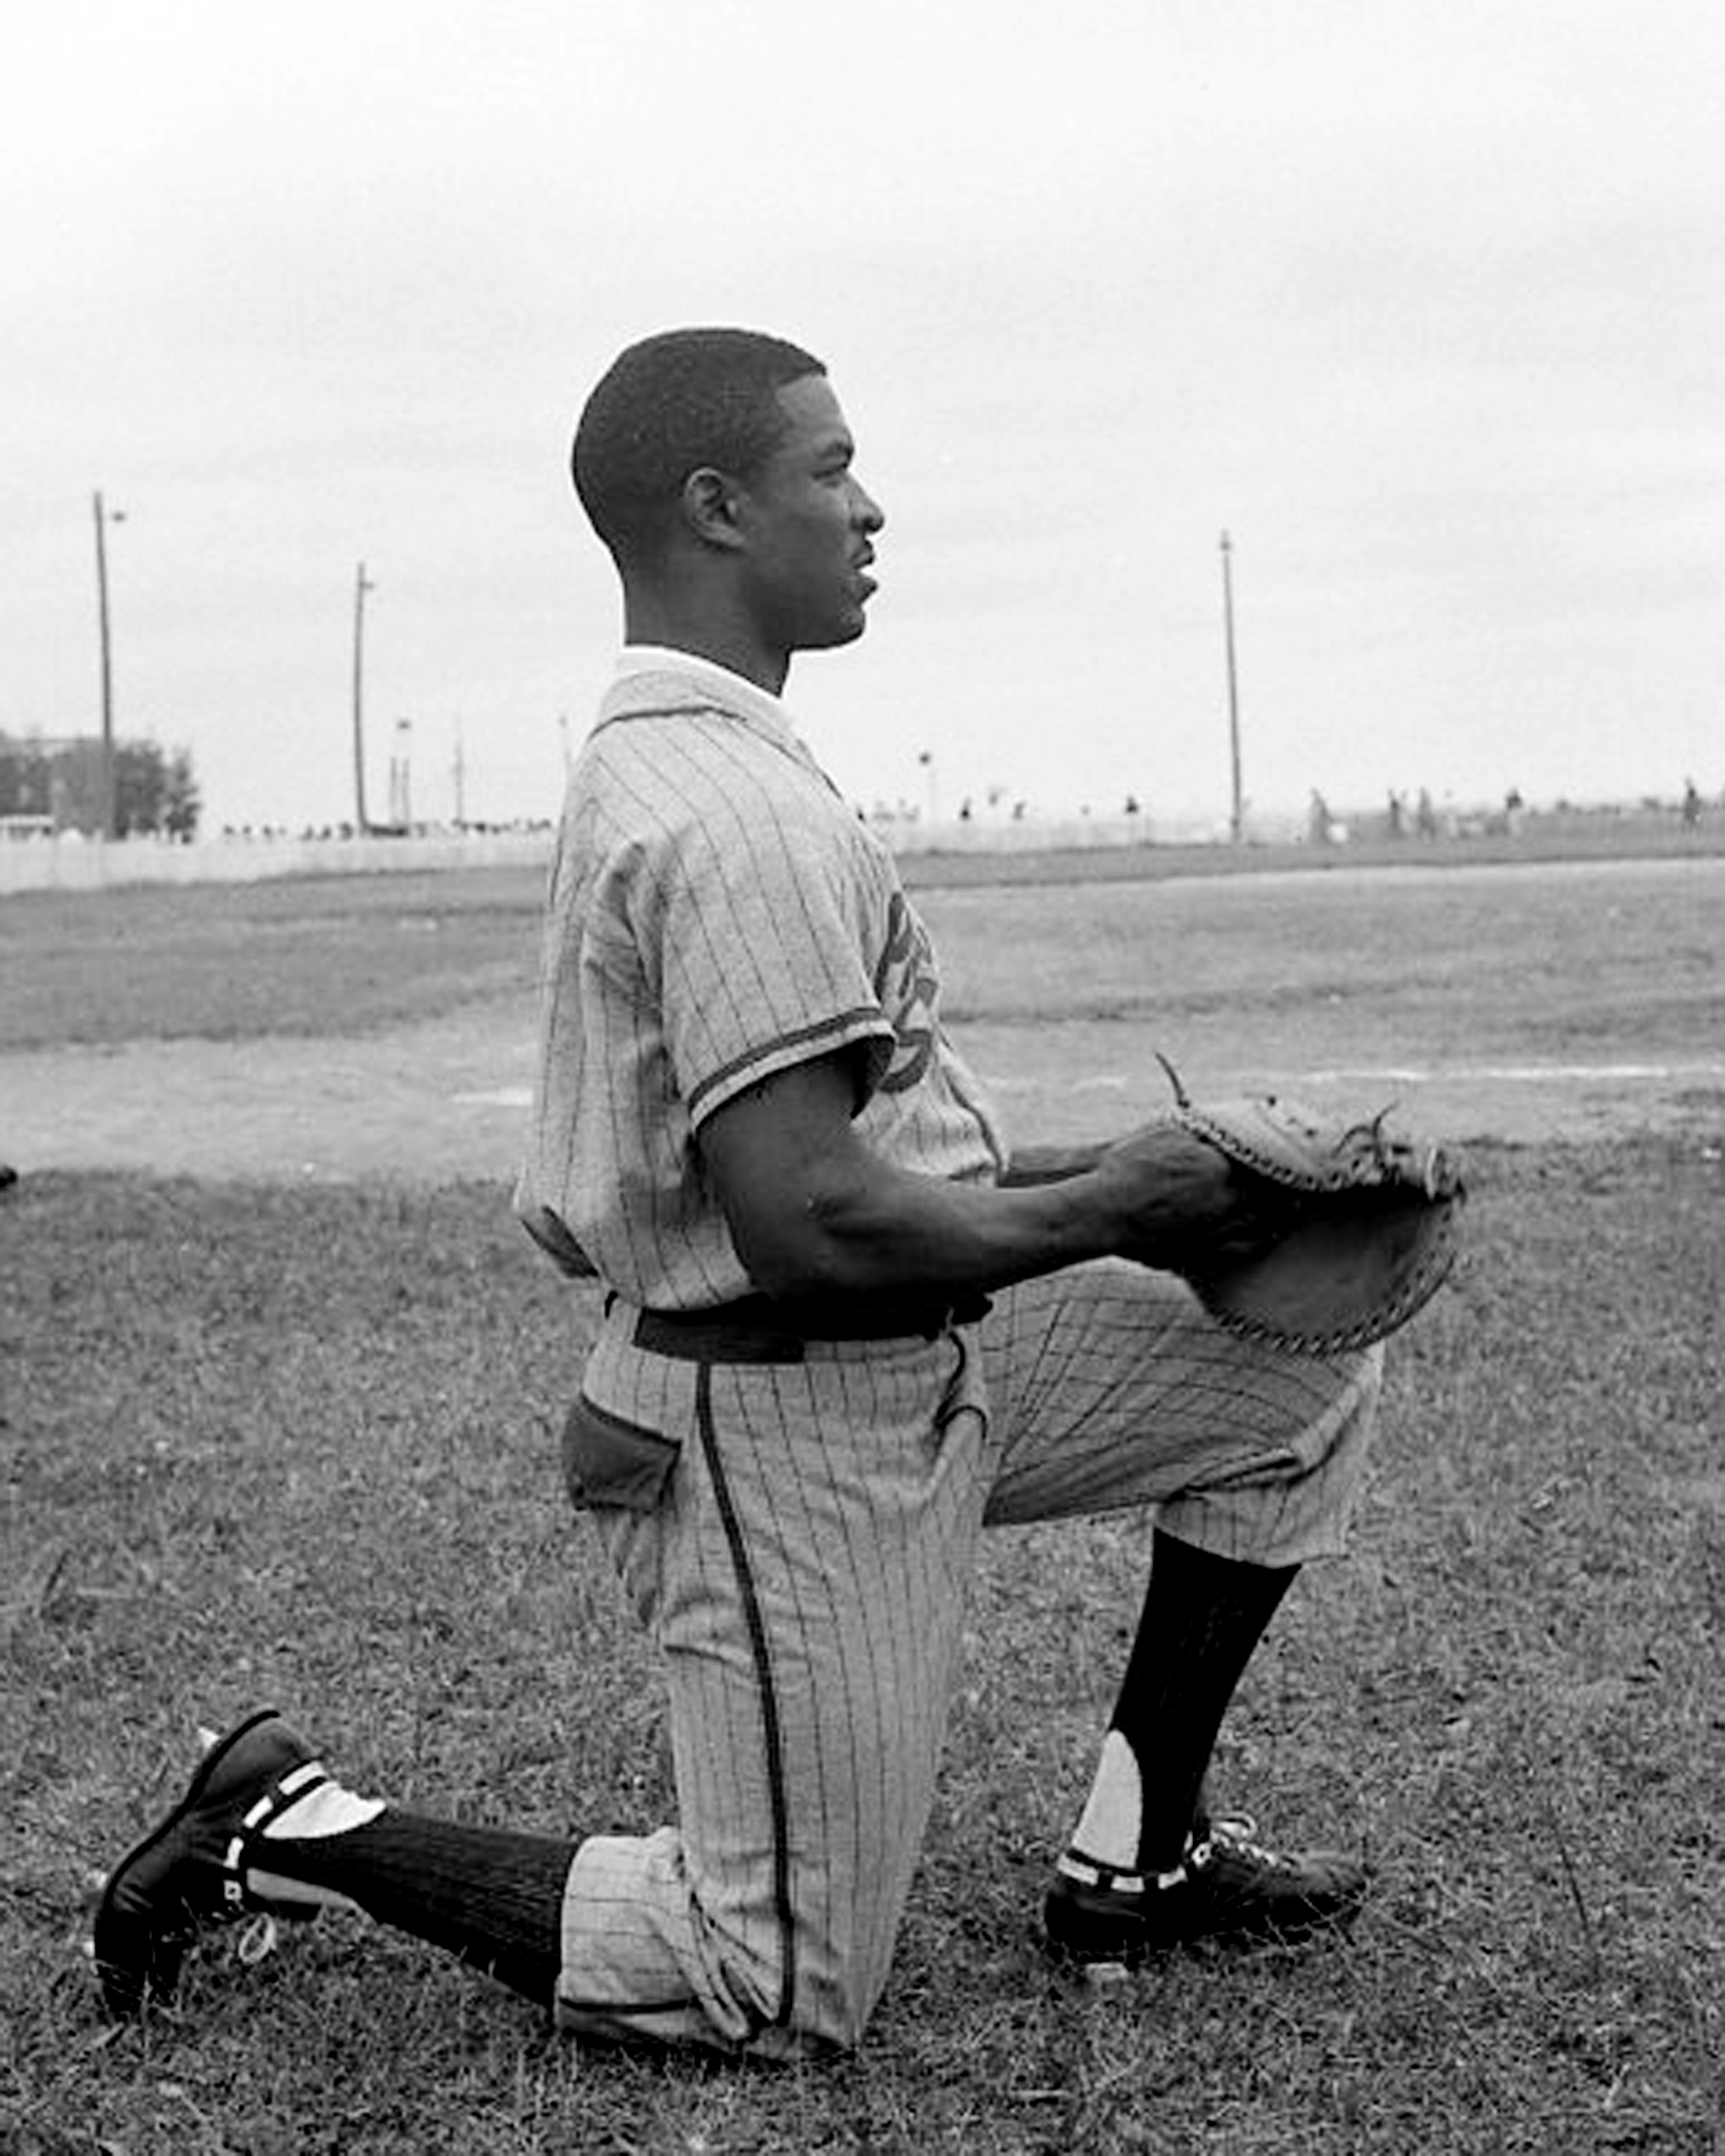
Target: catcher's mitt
1370	1238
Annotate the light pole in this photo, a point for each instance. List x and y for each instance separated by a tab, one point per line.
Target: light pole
108	806
1236	819
362	584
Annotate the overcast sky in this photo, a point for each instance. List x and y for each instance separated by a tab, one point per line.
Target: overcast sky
1424	304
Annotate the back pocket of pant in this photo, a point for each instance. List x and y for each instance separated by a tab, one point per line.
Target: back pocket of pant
610	1462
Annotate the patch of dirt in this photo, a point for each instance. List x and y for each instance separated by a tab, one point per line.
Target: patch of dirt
430	1103
446	1100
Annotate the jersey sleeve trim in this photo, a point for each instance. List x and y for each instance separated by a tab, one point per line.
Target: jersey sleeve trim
844	1029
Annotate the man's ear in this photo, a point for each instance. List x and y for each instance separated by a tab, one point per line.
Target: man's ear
709	503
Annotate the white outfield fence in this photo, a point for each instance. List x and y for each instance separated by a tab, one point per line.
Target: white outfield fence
33	860
68	863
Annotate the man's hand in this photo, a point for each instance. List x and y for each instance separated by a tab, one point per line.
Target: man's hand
1180	1204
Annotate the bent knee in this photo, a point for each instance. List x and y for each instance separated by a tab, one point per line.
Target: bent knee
809	1993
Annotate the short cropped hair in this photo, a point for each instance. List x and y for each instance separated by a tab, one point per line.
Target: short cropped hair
665	407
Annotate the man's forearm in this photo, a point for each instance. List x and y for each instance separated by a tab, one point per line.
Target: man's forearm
894	1230
1032	1164
815	1211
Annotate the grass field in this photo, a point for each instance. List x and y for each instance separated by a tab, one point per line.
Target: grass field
269	1441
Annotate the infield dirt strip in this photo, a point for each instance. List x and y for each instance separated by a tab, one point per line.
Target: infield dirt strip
446	1099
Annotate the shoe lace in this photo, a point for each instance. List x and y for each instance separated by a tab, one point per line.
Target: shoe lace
258	1939
1236	1834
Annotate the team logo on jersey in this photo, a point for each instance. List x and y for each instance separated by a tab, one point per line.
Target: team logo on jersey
906	990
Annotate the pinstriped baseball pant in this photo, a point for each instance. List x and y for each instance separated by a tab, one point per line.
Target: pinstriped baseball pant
799	1540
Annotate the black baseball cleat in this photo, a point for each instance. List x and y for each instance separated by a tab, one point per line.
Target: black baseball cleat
190	1871
1227	1886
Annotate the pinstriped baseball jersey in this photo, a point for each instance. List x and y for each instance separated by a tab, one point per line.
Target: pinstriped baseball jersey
717	913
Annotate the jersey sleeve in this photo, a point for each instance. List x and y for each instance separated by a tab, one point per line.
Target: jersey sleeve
763	939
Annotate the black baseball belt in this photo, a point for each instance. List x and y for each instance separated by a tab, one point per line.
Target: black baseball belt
758	1328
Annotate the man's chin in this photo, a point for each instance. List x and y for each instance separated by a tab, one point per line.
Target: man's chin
833	633
846	630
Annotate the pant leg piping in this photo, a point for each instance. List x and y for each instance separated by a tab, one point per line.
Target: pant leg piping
771	1731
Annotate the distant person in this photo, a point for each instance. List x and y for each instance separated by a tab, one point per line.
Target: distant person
846	1328
1691	805
1396	817
1320	824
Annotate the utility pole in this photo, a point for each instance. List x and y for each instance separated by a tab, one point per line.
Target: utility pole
361	585
108	808
1236	819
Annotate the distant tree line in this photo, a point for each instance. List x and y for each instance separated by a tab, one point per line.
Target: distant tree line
155	792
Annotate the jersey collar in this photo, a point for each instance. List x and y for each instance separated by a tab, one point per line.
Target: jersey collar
734	689
762	712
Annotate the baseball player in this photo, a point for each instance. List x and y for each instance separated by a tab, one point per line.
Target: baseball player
846	1327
